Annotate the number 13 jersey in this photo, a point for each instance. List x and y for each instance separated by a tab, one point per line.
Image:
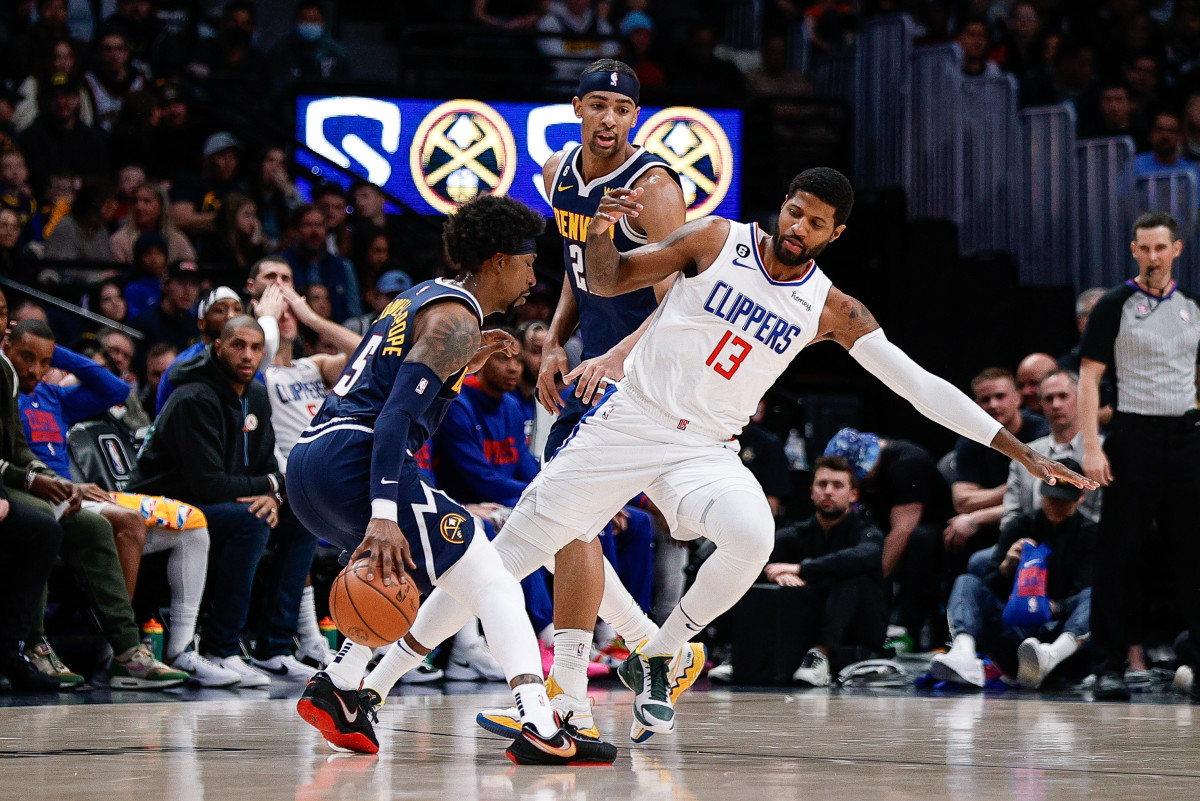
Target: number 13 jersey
721	338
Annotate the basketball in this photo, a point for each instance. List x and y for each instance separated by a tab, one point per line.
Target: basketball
369	612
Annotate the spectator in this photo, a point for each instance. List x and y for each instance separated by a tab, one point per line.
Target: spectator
1030	372
83	234
10	237
762	452
130	176
982	474
107	300
116	354
232	63
836	556
159	359
136	18
309	53
272	190
134	133
150	214
637	31
370	216
29	309
31	46
213	446
901	489
372	257
195	201
828	24
976	604
113	78
775	79
60	58
9	98
317	296
1191	128
1020	49
507	15
1073	74
312	263
1166	149
389	285
1112	115
58	140
973	41
15	192
1142	73
173	320
1183	44
149	270
331	200
236	240
87	549
1059	392
698	72
180	139
579	34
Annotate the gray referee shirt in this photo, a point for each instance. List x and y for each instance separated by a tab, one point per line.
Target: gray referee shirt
1153	345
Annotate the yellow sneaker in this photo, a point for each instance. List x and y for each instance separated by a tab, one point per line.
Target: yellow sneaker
507	721
685	668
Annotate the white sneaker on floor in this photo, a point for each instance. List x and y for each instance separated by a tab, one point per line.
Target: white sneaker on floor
474	663
247	676
958	667
318	652
1033	663
285	667
721	674
1184	678
814	670
204	671
423	674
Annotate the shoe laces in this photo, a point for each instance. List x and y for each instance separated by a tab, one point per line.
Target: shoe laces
369	701
659	678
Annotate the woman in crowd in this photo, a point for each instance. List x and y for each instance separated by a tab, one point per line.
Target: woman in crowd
275	195
151	214
83	234
237	240
60	58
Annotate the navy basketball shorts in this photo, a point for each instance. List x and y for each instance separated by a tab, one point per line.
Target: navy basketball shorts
328	484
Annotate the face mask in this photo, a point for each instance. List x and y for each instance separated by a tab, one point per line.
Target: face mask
310	31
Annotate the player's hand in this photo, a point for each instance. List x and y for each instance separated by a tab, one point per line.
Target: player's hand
263	506
613	206
296	302
492	341
592	377
271	304
788	580
93	492
961	529
1096	467
75	501
1013	557
554	363
1052	472
53	490
386	550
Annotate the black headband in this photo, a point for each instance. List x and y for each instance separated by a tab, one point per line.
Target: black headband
617	82
526	247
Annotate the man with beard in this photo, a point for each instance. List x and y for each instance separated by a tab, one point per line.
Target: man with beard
837	557
746	303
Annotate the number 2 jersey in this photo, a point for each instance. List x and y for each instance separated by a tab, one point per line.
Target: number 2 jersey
722	338
603	322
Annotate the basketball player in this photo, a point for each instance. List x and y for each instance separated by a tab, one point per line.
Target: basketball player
352	477
745	304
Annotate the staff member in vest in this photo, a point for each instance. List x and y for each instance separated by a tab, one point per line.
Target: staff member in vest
1149	331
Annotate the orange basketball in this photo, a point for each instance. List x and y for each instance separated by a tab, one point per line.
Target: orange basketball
368	612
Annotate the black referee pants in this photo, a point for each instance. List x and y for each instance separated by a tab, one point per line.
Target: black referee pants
1156	481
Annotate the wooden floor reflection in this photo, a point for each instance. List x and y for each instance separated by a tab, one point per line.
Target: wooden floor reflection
754	746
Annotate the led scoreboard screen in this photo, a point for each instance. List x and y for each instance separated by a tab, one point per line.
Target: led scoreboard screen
435	154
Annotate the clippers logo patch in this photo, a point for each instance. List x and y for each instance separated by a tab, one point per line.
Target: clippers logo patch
452	528
462	149
696	147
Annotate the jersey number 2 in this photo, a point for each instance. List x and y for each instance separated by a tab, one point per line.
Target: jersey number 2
576	253
715	358
356	369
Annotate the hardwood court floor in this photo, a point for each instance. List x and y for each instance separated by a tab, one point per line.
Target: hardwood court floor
731	746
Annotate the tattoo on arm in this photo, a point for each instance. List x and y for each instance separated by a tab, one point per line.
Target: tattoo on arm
602	260
448	341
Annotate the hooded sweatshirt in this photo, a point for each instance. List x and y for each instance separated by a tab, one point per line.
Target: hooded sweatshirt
208	445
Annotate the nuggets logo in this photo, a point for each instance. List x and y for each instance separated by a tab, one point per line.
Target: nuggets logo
692	144
452	528
462	149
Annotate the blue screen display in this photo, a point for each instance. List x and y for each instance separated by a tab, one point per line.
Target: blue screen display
434	154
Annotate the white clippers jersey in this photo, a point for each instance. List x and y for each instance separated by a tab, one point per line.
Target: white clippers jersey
721	339
297	393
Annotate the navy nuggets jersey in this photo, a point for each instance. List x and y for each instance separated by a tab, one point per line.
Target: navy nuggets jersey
603	322
367	381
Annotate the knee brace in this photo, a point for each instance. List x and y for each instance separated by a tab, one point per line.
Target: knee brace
739	523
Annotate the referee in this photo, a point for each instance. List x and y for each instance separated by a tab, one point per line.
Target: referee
1149	331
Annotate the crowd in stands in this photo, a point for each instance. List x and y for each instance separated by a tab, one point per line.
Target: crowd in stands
222	302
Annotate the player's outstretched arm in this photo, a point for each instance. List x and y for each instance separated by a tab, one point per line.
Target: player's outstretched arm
849	323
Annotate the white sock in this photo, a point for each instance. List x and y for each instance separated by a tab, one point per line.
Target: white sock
1063	647
963	642
677	630
572	649
621	612
347	669
187	567
399	659
604	635
535	708
307	628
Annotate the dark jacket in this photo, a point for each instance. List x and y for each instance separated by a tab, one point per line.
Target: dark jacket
1072	549
853	547
208	445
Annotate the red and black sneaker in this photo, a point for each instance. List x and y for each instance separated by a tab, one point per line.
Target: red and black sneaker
342	716
566	747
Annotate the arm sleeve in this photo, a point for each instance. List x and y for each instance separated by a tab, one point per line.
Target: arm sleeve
1104	323
270	327
414	390
934	397
865	558
97	390
462	460
196	423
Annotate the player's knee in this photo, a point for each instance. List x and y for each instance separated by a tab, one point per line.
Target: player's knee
740	523
525	544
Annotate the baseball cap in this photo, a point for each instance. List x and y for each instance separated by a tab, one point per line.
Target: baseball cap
1061	489
859	448
393	281
216	296
222	140
635	21
180	268
64	82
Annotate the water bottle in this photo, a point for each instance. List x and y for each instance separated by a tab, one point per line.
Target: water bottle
329	629
152	636
796	452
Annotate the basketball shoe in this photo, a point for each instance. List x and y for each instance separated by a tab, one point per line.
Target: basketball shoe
343	717
566	747
46	661
137	669
507	721
686	666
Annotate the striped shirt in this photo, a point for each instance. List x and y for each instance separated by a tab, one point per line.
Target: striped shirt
1153	344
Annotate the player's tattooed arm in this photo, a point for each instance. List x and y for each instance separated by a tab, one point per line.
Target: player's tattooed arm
845	319
447	338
